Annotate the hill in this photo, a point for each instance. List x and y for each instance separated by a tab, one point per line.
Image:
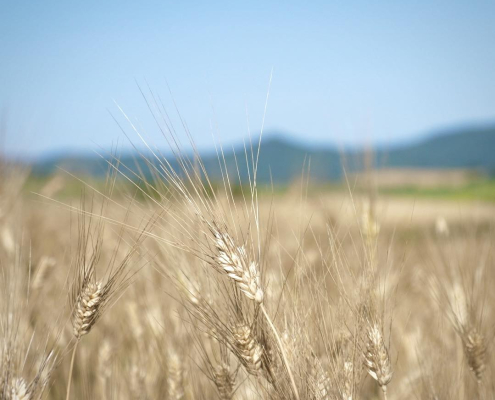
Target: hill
283	160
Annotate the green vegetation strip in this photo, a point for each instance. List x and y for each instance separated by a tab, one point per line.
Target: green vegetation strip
481	191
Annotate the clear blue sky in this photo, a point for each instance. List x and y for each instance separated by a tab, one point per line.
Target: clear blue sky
343	71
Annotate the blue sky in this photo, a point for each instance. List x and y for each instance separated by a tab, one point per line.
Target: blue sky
343	72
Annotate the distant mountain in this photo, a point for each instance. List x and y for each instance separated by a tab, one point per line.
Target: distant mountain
461	148
282	160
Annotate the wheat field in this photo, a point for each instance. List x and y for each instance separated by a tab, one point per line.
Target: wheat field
171	287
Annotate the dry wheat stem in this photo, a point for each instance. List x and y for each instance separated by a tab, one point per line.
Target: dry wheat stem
282	350
69	380
347	389
234	261
104	366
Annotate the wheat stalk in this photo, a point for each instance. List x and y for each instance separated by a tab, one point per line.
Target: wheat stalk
104	367
84	317
175	378
233	260
90	297
347	387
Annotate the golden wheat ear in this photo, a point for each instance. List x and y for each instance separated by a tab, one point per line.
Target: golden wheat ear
475	350
247	348
89	296
87	309
376	358
224	381
233	260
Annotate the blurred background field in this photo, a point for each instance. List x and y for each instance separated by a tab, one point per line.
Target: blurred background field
457	165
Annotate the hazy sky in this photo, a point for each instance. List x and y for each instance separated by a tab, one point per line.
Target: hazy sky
343	72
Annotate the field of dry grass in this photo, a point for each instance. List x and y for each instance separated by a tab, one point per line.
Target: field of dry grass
183	292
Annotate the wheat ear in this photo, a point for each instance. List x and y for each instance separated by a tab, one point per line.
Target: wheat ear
475	349
224	381
233	260
318	379
84	317
247	348
86	312
20	390
377	360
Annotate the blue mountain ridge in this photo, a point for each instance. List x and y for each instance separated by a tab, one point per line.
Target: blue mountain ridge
282	160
